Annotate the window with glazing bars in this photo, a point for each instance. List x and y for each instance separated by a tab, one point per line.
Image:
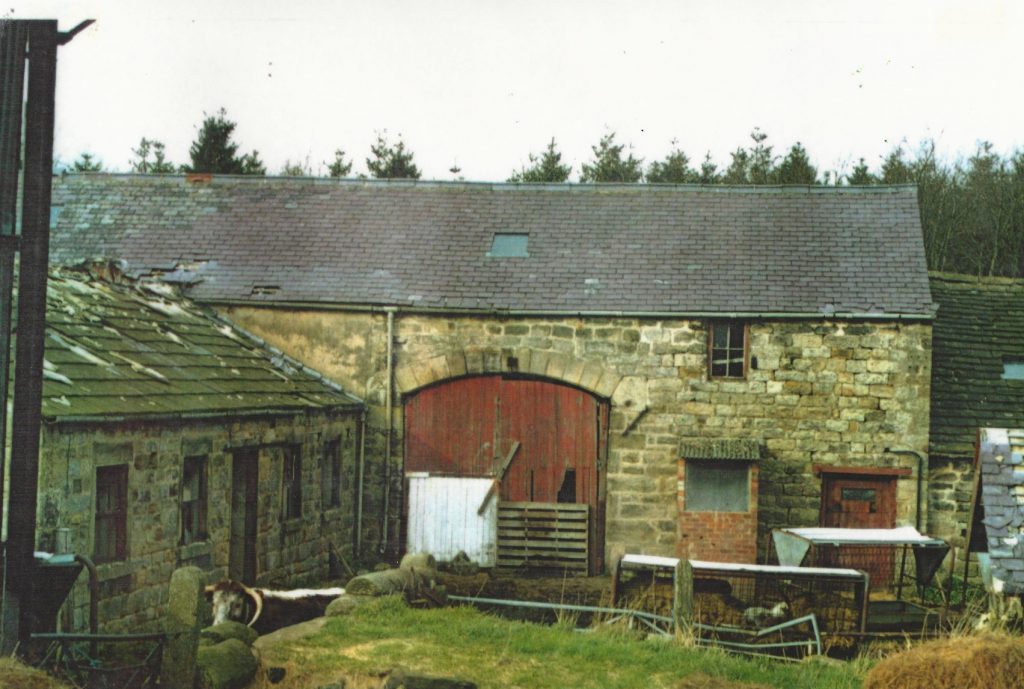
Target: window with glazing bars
193	500
111	537
727	350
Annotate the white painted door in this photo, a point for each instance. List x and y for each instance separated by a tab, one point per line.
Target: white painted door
445	517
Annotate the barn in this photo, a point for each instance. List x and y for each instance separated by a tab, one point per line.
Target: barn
558	374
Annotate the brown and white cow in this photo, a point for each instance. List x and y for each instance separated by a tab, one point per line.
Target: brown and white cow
266	610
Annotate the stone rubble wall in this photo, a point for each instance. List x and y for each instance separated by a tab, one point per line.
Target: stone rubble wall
133	592
818	392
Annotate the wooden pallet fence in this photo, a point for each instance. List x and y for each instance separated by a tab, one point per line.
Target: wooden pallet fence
545	535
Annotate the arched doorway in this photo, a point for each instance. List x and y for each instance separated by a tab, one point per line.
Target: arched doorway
543	441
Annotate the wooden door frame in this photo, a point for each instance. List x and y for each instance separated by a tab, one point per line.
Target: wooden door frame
249	458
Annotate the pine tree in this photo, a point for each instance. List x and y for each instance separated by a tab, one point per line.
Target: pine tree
608	164
796	167
86	163
391	162
547	167
675	169
861	175
158	165
340	167
297	169
709	171
213	150
250	164
895	170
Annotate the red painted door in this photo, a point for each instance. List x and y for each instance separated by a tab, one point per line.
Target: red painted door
468	427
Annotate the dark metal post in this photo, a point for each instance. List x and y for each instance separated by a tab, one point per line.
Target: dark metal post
13	42
32	270
41	39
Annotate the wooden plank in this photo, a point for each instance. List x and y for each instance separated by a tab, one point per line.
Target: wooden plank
508	460
533	543
559	506
509	526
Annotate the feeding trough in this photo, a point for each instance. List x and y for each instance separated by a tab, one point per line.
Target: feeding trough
900	562
52	579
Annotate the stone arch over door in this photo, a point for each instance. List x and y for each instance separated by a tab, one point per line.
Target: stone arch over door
590	375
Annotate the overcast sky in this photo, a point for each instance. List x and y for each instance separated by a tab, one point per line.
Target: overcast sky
483	83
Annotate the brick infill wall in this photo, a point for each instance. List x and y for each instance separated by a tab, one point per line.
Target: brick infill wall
717	536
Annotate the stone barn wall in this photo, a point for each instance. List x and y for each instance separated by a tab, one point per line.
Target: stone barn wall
133	591
817	392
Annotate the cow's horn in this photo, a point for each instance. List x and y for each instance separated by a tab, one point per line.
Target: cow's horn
258	600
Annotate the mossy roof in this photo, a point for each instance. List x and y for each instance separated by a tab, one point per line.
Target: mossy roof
140	350
979	326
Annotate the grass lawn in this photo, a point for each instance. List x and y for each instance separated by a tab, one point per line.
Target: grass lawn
493	652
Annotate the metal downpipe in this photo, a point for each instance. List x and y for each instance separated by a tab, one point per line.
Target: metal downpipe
389	426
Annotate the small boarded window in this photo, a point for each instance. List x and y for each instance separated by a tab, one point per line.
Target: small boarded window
291	488
193	500
1013	368
111	538
717	486
509	245
727	350
330	475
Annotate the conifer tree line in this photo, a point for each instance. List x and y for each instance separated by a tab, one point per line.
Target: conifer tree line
972	210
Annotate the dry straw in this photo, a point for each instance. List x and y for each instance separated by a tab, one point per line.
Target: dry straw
985	661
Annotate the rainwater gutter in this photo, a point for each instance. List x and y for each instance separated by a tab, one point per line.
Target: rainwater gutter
921	461
389	427
573	313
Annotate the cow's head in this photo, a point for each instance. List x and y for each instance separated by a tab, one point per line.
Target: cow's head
230	600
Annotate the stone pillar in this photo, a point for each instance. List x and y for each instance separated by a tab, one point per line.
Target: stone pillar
183	619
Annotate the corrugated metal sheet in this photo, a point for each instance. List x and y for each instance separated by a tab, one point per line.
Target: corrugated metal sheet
445	518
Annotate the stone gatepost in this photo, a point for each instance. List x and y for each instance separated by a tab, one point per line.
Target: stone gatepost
185	608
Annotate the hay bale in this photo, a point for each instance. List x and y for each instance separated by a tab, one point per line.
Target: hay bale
974	662
13	673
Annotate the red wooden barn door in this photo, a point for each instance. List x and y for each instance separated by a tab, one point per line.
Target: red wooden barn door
468	426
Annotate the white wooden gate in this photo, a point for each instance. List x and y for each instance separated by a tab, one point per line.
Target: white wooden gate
445	516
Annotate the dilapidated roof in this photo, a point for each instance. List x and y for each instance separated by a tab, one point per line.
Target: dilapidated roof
633	249
979	329
1001	457
137	350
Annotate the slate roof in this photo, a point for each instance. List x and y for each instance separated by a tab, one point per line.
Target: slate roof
592	248
1001	456
138	350
979	322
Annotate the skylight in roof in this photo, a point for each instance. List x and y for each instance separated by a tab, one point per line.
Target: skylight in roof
509	245
1013	368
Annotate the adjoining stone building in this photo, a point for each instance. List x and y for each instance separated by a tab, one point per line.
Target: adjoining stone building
696	365
172	438
977	382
